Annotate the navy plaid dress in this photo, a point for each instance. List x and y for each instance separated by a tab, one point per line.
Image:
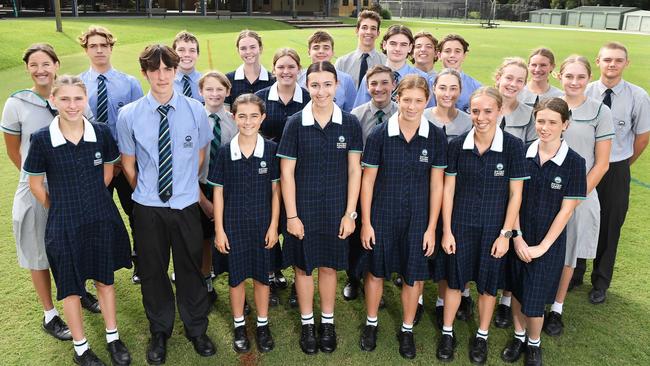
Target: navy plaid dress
243	86
277	113
85	237
534	284
480	202
321	177
400	202
247	193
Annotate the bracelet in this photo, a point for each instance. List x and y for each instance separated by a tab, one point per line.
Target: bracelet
293	217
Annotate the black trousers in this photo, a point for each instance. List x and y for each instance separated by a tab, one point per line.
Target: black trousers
614	196
160	228
124	193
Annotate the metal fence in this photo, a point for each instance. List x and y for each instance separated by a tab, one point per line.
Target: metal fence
459	9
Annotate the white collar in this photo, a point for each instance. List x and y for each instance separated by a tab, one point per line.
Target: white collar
263	76
559	157
57	136
235	151
274	96
497	141
308	115
393	126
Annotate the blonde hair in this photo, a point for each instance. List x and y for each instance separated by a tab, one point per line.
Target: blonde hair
576	59
221	78
508	61
286	52
413	82
488	91
68	80
96	30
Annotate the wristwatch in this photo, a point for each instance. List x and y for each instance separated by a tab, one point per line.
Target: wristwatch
507	234
353	215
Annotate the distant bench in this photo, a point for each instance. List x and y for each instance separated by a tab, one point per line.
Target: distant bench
489	24
159	11
224	13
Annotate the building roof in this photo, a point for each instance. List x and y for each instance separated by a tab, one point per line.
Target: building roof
603	9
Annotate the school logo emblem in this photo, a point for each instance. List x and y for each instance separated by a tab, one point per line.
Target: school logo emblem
263	164
263	169
424	152
341	144
98	159
424	158
557	183
499	172
98	155
188	142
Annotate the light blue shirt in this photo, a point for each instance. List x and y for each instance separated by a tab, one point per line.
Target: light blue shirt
345	92
363	96
121	89
468	85
137	132
194	83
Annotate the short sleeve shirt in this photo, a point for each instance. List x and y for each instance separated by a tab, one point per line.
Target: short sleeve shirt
241	85
520	123
461	124
590	122
277	112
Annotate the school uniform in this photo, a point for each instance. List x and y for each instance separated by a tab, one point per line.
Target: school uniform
480	204
461	123
240	85
369	116
630	106
590	122
321	179
192	84
247	194
277	112
563	177
400	202
346	91
24	113
363	96
519	123
469	85
85	237
531	99
175	221
351	63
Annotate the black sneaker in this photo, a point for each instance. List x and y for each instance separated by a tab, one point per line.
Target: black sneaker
308	342
90	303
406	344
533	356
293	296
440	316
119	353
57	328
418	314
351	290
503	318
264	339
88	358
368	340
553	325
280	281
512	352
478	351
327	337
446	347
466	308
240	341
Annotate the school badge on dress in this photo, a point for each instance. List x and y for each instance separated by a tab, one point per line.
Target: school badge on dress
499	172
556	183
188	142
263	168
424	158
98	159
341	144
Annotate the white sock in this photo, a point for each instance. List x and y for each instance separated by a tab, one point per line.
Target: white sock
520	336
557	307
407	327
372	321
480	333
307	318
112	335
535	342
80	346
465	292
262	321
50	314
238	322
420	300
448	331
440	302
505	300
327	318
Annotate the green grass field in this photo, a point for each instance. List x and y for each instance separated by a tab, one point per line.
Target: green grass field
615	333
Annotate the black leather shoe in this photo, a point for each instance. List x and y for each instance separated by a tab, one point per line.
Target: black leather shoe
308	342
280	281
440	316
203	345
512	352
466	308
351	290
57	328
90	303
575	282
533	356
398	281
478	351
119	353
553	325
88	358
240	341
418	314
446	347
327	337
274	298
503	318
293	296
157	349
368	341
247	308
264	339
406	344
597	296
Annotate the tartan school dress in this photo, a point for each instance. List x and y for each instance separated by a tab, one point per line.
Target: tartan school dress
321	177
400	202
240	84
85	237
277	113
247	194
561	178
480	203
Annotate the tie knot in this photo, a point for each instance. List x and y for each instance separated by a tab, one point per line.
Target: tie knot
186	78
101	77
380	113
215	117
396	75
364	56
608	92
163	109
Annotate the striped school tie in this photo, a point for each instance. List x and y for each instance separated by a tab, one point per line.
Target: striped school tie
216	141
393	95
380	116
187	87
164	156
102	100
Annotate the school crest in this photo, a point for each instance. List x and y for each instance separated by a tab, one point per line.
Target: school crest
557	183
262	169
424	158
499	172
98	159
341	144
188	142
